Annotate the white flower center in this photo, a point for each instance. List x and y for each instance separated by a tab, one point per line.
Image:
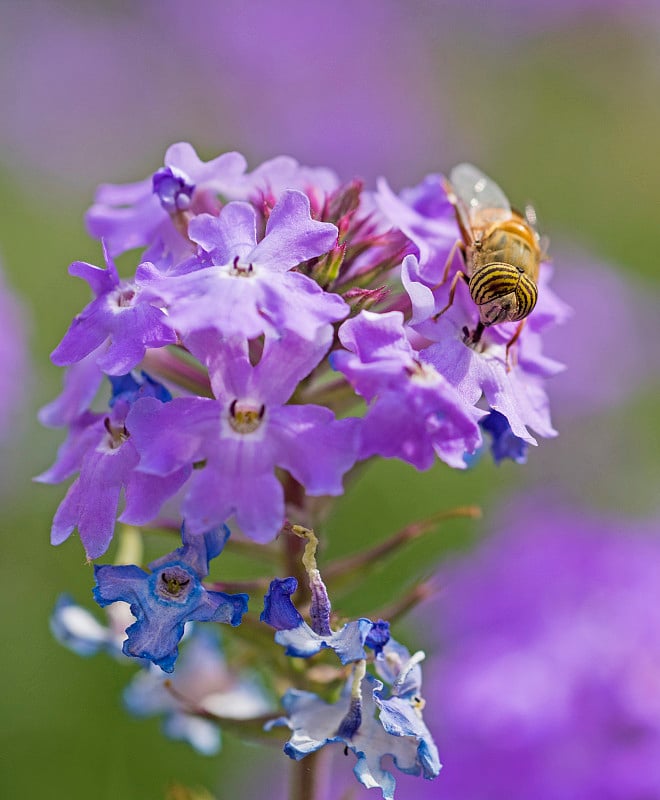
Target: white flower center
245	417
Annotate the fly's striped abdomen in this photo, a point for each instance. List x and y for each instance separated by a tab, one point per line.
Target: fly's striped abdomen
493	281
509	290
526	295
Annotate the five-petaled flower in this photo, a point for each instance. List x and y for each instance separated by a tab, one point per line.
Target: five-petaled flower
203	680
241	436
239	286
168	596
415	413
118	325
101	449
302	640
369	720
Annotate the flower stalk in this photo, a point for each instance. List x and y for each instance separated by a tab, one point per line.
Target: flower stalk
281	331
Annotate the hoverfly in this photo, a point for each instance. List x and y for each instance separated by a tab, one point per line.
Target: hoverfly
501	249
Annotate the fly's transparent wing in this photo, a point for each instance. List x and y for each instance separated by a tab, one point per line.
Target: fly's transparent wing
532	220
531	216
483	200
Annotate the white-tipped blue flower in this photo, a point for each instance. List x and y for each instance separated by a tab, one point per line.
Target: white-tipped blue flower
202	681
369	721
79	630
303	641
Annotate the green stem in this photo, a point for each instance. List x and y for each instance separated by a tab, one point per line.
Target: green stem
293	550
170	365
366	560
305	778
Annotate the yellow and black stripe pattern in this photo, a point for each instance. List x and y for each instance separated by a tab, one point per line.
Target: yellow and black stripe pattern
495	281
526	295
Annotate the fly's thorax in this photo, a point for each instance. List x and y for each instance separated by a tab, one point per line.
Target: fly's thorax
511	242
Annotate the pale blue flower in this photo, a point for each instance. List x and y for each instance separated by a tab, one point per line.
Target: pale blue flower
303	641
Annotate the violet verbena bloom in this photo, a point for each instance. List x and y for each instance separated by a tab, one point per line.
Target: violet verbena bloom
138	214
119	324
239	286
414	412
514	386
515	389
81	383
100	448
152	213
302	640
240	438
369	720
165	598
202	680
426	216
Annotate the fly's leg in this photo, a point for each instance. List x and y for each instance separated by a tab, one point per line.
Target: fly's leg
457	247
510	363
452	292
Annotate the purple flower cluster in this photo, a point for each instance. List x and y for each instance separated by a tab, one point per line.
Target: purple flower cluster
278	329
253	287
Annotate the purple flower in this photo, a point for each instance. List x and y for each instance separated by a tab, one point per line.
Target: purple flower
427	217
99	446
81	384
369	721
244	287
119	324
266	183
137	214
514	385
168	596
303	641
239	438
202	680
414	413
173	188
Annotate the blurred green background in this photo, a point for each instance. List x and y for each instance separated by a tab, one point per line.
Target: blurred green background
562	109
